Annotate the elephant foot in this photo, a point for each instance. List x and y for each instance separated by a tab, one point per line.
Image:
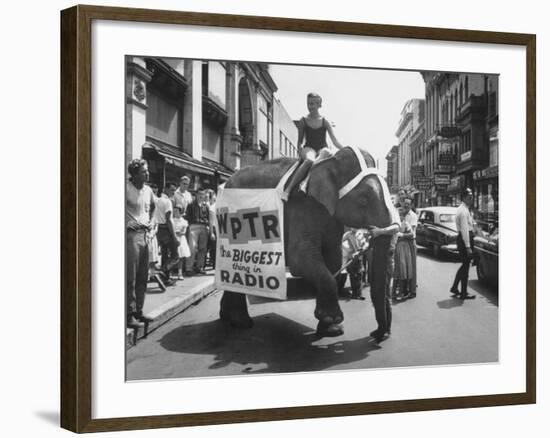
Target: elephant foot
328	318
329	330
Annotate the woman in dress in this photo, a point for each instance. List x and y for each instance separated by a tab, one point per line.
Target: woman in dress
403	271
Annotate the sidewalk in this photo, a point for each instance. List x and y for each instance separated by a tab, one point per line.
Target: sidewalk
162	306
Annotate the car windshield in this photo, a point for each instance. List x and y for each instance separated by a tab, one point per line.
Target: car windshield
446	218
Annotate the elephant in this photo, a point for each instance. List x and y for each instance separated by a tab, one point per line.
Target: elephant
313	229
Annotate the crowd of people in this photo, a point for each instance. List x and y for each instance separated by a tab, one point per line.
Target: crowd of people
357	256
169	235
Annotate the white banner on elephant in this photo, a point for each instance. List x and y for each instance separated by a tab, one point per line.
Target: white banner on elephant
250	255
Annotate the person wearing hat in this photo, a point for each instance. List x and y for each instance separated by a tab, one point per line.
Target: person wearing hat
465	244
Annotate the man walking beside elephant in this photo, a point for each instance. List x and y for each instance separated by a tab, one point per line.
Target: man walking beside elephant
383	242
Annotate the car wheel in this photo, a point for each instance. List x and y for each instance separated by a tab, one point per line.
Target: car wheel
436	249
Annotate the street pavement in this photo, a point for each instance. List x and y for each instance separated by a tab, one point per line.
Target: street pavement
431	329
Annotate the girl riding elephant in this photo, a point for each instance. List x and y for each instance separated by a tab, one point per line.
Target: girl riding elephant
313	128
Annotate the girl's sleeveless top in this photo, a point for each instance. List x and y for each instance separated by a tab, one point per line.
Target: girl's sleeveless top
316	138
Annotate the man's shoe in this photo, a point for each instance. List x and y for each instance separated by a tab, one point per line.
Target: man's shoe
455	292
467	297
379	335
134	323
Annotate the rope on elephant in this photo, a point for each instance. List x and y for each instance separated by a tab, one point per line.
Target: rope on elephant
281	186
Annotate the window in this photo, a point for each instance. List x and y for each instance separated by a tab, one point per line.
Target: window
213	82
446	218
163	118
263	114
426	216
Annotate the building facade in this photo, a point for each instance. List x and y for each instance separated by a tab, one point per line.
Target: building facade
204	119
410	123
392	169
461	140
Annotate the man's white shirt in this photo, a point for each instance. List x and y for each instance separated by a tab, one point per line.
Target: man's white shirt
464	223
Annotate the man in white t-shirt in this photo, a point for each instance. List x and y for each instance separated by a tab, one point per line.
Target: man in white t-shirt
140	205
182	197
166	235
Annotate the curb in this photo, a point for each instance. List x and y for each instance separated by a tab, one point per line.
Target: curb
169	310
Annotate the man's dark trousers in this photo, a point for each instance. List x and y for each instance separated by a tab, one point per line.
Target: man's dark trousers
464	270
381	271
137	271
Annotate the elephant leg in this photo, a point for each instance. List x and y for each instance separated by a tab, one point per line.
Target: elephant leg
332	257
327	309
234	310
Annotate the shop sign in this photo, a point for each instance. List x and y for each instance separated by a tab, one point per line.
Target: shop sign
442	180
449	131
447	159
423	182
424	186
457	182
491	172
441	168
417	170
466	156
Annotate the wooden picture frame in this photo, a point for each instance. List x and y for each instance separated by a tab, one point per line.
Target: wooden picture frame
76	218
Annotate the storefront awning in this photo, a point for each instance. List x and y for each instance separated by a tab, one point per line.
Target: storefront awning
220	168
180	159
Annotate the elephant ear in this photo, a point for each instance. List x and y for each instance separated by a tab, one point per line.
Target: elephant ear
323	184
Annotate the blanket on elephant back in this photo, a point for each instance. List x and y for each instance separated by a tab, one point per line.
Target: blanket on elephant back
250	255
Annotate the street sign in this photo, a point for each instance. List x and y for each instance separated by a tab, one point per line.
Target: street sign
449	131
444	168
466	156
442	179
424	186
423	182
417	170
447	159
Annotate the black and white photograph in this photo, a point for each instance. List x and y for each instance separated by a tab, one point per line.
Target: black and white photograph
286	218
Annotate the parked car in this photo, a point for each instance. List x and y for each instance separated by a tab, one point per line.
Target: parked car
486	246
437	229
